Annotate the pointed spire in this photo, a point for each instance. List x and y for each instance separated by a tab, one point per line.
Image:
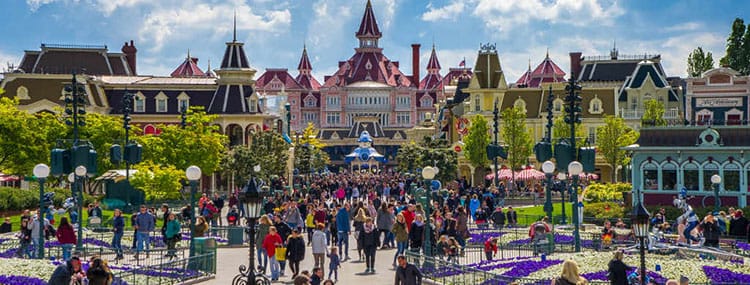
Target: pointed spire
188	68
368	27
234	29
530	63
209	72
304	62
546	56
433	65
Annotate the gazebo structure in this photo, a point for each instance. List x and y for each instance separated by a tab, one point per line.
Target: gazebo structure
365	156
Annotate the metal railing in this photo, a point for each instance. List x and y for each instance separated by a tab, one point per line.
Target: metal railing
172	272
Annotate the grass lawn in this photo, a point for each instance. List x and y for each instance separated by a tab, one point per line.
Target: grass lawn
106	219
528	215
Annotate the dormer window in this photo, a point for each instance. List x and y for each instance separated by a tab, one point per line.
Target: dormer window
252	104
520	104
310	101
183	102
426	101
557	105
161	102
139	103
595	106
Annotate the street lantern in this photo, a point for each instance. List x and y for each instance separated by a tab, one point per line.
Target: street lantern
640	219
548	167
574	169
252	203
80	173
716	181
193	174
41	171
428	172
561	176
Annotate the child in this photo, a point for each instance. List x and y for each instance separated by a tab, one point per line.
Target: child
334	263
490	248
453	249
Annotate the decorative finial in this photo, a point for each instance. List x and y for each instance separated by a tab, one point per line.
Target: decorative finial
188	55
547	56
529	63
369	4
234	31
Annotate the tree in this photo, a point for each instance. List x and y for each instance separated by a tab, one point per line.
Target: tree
199	143
310	156
158	182
271	152
409	156
653	115
746	52
561	130
476	142
699	62
516	136
610	138
26	139
736	53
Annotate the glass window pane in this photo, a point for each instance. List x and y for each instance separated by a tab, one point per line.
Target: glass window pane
668	179
690	176
650	177
731	180
708	171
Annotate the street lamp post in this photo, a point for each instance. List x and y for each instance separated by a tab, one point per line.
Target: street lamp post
193	174
288	108
495	113
252	202
80	174
41	171
428	173
716	181
548	167
561	176
574	169
640	218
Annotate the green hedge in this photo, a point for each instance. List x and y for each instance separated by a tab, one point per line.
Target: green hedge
606	192
20	199
604	210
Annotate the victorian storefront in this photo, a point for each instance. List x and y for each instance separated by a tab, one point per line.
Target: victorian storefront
666	159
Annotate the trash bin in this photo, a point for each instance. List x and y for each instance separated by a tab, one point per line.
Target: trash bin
235	236
202	261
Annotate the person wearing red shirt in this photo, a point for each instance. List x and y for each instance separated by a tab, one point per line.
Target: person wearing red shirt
409	215
270	242
490	248
66	236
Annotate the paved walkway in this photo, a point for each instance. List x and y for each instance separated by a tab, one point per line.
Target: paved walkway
349	273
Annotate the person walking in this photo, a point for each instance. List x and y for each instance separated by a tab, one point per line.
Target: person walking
406	273
67	273
118	227
319	246
165	220
144	224
416	234
270	243
295	252
201	227
66	236
343	227
219	204
172	234
617	270
264	225
385	221
369	238
334	263
402	236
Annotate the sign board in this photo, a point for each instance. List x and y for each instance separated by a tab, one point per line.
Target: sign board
718	102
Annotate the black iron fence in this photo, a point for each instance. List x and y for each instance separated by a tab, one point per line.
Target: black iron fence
170	272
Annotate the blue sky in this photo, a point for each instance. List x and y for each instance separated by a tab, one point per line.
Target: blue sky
274	31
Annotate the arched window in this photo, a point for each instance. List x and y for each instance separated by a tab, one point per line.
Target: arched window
557	105
22	93
690	176
650	177
709	169
669	176
139	103
731	177
161	102
595	106
310	101
426	101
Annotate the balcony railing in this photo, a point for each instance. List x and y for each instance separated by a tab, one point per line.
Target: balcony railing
672	113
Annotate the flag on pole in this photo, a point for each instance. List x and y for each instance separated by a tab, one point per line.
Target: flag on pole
462	63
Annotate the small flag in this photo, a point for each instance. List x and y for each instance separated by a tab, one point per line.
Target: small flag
462	64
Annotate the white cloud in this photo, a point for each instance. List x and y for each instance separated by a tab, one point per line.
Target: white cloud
194	19
327	27
109	6
35	4
390	13
682	27
7	59
448	12
675	50
507	14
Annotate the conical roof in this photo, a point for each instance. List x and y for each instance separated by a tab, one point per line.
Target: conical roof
188	68
368	27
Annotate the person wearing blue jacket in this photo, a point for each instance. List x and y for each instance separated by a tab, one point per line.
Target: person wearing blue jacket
144	224
343	226
473	206
118	227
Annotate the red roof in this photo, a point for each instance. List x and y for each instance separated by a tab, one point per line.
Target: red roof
304	61
188	68
369	26
368	66
545	72
277	74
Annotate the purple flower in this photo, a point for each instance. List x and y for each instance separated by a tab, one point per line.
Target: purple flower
21	280
721	275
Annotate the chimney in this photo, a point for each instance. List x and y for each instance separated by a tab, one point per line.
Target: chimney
415	63
129	50
575	64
